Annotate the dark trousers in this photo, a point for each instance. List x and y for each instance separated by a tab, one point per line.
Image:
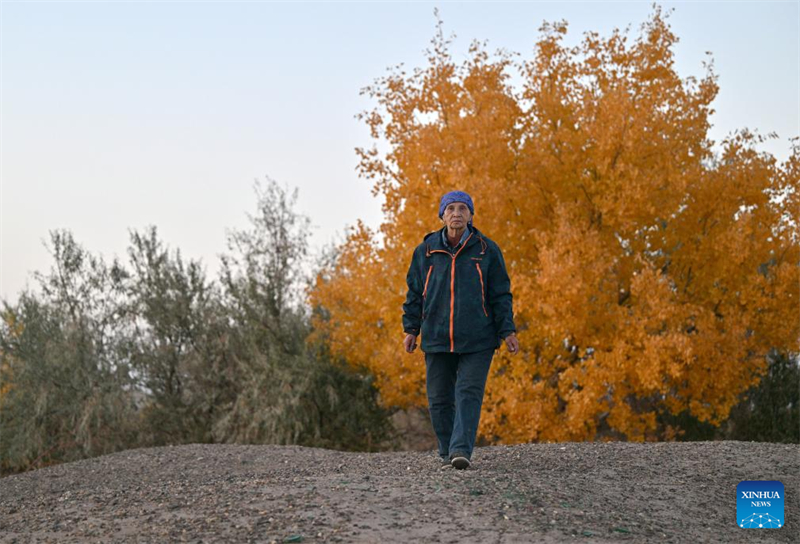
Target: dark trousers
455	384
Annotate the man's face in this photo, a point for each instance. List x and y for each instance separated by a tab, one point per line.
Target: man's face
456	215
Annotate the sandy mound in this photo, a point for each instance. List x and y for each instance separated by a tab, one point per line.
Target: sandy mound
586	492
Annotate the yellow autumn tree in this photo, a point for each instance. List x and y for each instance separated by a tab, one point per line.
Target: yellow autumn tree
650	274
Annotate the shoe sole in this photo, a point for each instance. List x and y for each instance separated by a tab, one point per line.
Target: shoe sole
460	462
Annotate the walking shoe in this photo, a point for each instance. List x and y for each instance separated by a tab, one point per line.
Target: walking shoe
445	463
460	461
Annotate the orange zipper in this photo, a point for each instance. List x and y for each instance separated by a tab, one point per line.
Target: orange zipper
425	290
452	285
430	268
483	299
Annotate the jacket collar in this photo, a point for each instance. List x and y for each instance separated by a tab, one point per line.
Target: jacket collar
462	238
433	240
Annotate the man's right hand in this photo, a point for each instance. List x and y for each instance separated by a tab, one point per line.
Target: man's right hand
410	343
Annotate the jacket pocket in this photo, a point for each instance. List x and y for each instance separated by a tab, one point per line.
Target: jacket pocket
483	297
425	290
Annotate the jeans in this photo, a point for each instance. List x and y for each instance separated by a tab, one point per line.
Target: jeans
455	384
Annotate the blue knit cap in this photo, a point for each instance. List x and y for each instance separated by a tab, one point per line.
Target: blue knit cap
456	196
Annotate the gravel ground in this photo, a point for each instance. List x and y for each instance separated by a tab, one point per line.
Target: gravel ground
563	492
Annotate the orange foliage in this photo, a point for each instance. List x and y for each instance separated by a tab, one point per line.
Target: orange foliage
648	275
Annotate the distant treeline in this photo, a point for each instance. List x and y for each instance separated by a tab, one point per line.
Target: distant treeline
103	357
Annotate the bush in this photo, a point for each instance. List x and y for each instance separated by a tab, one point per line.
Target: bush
770	411
105	358
767	412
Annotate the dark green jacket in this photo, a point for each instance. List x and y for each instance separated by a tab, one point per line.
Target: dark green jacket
460	300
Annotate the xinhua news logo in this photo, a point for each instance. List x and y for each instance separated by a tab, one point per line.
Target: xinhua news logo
759	504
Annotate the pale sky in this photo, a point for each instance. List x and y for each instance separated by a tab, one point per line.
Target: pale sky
119	115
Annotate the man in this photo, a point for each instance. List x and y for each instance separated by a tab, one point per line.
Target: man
459	299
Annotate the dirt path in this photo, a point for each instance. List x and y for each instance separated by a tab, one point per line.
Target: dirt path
570	492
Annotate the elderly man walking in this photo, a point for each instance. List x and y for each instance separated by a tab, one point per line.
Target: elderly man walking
459	299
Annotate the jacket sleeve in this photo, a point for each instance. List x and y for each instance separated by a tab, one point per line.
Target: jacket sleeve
412	308
499	294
